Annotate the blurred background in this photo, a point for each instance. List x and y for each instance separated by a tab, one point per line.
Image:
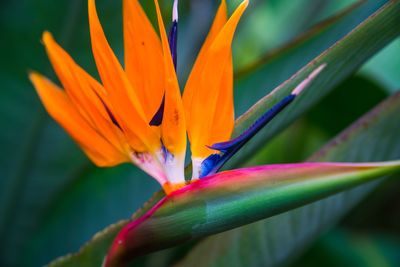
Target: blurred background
53	200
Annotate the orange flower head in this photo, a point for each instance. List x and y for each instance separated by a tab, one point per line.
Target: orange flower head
136	113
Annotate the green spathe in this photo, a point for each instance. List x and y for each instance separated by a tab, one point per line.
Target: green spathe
234	198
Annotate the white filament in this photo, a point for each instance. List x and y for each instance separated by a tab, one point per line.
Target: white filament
174	168
196	167
149	164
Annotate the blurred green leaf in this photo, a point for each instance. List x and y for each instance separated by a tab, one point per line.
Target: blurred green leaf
278	65
385	66
345	248
342	59
93	252
28	183
40	166
277	16
278	240
107	195
280	15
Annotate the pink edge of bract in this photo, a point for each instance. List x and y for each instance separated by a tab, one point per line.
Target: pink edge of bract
120	239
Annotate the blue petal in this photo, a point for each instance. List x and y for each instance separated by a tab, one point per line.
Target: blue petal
208	164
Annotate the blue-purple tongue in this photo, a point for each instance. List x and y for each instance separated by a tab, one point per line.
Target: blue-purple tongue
173	44
158	117
255	127
173	41
215	161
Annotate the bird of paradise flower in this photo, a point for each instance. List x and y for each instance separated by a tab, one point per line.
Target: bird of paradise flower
137	113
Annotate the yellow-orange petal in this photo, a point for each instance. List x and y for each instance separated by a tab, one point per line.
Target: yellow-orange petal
123	97
208	96
143	57
58	105
224	120
173	125
84	93
194	77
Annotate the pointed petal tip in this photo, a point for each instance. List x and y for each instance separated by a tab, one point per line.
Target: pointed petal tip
222	146
46	35
245	3
35	77
223	6
46	38
32	74
48	41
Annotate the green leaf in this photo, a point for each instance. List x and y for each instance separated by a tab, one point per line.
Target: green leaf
342	59
346	248
234	198
384	66
93	252
28	140
107	195
276	241
277	15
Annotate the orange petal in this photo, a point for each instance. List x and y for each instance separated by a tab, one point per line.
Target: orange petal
224	119
194	77
143	57
173	125
123	98
208	97
58	105
83	91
